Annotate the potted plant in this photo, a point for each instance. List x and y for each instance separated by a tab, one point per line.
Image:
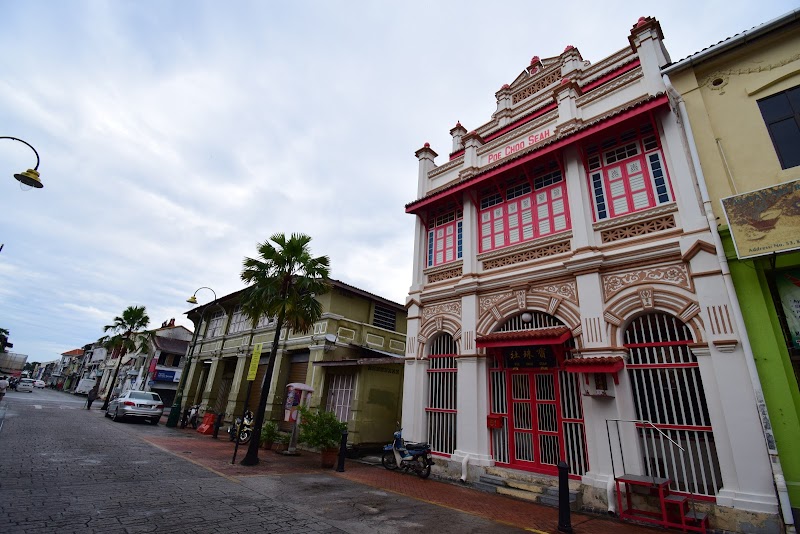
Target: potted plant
281	442
268	434
323	431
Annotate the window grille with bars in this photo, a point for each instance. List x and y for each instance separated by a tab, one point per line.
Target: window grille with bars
265	321
340	396
668	392
627	173
441	410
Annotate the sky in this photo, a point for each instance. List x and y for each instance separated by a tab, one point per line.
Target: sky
175	136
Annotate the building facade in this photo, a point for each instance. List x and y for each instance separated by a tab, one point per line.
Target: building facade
742	100
567	302
353	358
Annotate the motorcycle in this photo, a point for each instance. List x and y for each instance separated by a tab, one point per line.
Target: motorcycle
245	428
190	416
407	456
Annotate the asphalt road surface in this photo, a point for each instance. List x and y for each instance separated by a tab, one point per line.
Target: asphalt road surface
66	469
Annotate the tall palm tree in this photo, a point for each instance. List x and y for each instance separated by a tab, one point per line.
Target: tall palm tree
284	281
122	340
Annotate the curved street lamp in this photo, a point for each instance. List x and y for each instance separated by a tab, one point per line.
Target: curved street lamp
31	176
175	410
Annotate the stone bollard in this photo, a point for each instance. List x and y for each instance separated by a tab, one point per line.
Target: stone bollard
564	523
342	452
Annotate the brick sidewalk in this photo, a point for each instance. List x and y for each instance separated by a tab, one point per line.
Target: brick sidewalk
216	455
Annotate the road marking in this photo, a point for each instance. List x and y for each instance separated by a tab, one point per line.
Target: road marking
37	406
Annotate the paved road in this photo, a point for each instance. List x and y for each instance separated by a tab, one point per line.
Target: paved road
66	469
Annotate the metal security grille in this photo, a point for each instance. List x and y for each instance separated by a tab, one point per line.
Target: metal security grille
384	317
441	410
340	396
545	422
668	392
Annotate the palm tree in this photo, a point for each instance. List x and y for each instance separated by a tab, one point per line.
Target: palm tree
122	340
284	281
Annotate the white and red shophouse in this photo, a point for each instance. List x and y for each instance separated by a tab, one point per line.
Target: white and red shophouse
567	302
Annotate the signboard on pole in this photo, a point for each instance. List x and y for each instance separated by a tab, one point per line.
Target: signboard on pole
251	373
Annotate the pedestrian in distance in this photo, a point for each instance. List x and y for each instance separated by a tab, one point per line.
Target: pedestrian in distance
91	397
3	387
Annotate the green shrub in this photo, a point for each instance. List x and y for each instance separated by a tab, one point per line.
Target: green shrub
320	430
269	432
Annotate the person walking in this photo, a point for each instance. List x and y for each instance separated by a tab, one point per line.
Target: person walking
91	397
3	387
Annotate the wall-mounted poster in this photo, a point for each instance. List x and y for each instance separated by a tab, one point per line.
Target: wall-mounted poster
765	221
788	285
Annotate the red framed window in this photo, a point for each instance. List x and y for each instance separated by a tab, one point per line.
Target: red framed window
627	173
445	241
531	206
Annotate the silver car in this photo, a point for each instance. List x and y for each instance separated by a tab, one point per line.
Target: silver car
134	403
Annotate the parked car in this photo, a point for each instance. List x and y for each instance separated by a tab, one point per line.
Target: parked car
38	384
136	404
25	384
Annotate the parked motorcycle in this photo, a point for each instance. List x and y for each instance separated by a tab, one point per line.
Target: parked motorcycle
245	428
190	416
409	456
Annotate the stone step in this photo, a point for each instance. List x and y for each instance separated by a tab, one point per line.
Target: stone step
519	494
488	488
493	480
549	500
526	486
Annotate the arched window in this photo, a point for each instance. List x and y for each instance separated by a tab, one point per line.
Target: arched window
668	392
441	410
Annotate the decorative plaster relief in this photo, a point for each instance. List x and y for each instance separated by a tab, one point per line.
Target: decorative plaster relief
374	341
719	79
521	300
528	255
346	333
646	296
666	222
445	275
720	319
538	85
565	290
676	275
453	308
489	302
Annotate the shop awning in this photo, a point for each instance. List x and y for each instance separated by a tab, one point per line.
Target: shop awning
524	338
608	364
362	361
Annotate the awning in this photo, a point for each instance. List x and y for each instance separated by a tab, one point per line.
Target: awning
362	361
608	364
523	338
639	107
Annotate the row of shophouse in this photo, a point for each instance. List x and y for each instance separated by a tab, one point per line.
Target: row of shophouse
605	273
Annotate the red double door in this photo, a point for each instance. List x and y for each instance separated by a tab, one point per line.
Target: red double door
534	419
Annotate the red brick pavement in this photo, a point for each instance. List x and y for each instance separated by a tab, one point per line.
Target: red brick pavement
216	454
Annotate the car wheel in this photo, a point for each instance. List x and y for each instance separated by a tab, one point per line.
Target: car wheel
116	417
154	421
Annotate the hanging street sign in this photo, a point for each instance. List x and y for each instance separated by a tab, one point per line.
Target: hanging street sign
251	373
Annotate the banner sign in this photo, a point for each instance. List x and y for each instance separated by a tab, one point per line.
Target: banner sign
538	357
251	373
765	221
164	376
788	285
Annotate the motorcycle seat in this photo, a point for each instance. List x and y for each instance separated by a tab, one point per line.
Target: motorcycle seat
416	446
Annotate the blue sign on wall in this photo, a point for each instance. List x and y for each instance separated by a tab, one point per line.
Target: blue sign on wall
165	376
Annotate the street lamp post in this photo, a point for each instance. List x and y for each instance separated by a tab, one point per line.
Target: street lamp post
175	411
31	176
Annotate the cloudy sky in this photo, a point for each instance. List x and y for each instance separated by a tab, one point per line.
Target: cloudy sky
175	136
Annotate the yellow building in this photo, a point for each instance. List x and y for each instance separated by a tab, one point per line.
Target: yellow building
742	99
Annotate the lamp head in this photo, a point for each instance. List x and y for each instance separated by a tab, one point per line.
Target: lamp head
526	317
30	178
192	300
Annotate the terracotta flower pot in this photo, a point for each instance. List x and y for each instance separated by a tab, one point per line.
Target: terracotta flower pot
328	457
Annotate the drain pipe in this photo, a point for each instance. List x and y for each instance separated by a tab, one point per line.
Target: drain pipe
612	501
464	463
761	405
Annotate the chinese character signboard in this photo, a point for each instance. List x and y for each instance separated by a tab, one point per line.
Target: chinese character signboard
538	357
765	221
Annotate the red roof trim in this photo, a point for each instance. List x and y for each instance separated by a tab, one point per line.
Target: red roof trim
540	336
555	144
610	364
610	76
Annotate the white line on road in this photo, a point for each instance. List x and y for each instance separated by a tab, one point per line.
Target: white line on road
37	406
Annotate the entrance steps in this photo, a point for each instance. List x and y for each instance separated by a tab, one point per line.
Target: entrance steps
532	487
